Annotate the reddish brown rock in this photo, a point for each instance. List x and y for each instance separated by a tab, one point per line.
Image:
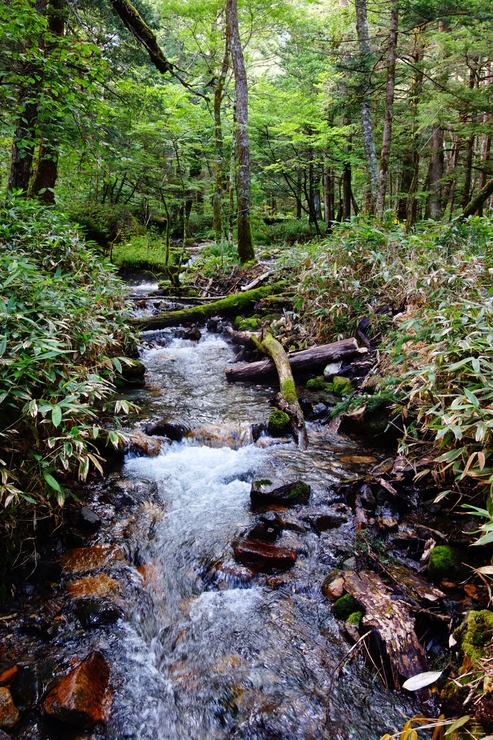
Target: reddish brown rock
333	588
9	714
263	494
264	557
8	676
84	559
139	441
100	585
83	696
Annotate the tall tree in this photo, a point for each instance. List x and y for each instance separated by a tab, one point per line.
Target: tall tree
246	251
389	104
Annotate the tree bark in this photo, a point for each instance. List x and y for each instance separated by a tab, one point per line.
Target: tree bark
218	140
435	174
133	21
389	104
306	360
288	400
245	241
366	114
478	201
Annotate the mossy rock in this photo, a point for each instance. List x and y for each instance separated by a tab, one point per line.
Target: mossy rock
444	562
342	386
242	324
475	634
317	384
131	374
355	618
290	494
279	423
344	607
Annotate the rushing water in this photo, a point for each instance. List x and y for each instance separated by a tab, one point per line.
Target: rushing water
208	652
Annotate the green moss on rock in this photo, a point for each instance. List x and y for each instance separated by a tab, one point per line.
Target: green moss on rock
344	607
342	386
316	384
279	423
475	634
444	562
355	618
242	324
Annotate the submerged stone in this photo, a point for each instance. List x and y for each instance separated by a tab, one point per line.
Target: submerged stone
94	557
99	585
88	519
264	557
83	696
9	714
97	612
262	494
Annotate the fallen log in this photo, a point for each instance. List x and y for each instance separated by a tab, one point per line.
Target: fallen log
391	620
229	306
287	400
306	360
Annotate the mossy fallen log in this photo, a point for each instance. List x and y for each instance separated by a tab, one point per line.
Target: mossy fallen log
229	306
287	399
305	361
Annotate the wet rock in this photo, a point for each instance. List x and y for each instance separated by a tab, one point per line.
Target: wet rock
323	519
319	410
7	676
173	431
97	612
83	696
9	714
88	519
94	557
4	736
192	334
387	518
144	444
31	682
264	557
334	368
264	532
231	574
133	372
351	625
41	625
263	494
99	585
333	588
257	431
215	325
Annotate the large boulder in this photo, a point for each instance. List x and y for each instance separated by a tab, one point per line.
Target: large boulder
264	557
263	493
83	696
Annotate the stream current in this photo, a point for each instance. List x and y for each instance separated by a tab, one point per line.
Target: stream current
208	652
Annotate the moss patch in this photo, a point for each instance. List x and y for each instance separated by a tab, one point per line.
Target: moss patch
355	618
279	423
444	562
242	324
288	391
316	384
344	607
475	634
342	386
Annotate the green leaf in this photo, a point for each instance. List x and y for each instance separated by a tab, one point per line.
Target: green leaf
52	482
56	416
459	723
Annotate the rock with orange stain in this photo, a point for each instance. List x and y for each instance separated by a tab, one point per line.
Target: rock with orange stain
99	585
83	696
151	576
261	556
140	442
9	714
84	559
8	676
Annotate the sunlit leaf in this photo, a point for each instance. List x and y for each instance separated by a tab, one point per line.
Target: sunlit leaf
420	680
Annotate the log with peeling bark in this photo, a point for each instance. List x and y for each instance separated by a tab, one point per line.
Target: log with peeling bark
307	360
232	305
391	620
287	400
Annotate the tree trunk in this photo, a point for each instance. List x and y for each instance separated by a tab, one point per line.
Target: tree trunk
435	174
389	104
328	196
218	140
478	201
24	142
288	401
245	240
366	114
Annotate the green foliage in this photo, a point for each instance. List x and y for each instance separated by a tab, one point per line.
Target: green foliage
344	606
61	327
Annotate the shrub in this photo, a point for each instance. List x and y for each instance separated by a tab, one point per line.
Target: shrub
61	327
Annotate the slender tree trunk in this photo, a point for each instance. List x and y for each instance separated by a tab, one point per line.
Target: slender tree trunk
328	196
24	142
245	240
46	170
389	104
366	114
218	139
435	174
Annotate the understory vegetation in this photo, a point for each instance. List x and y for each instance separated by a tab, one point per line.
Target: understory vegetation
62	327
